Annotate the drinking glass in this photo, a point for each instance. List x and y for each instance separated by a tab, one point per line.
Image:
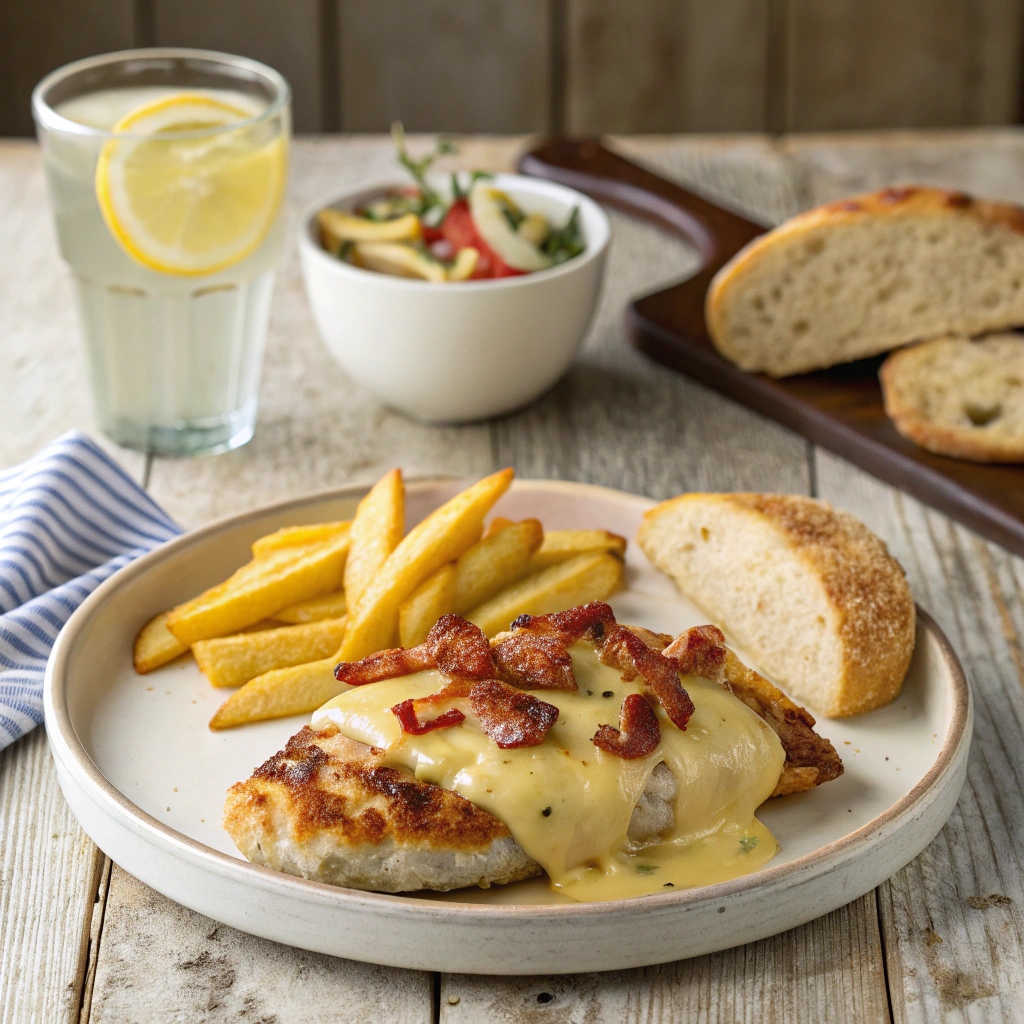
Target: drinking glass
166	171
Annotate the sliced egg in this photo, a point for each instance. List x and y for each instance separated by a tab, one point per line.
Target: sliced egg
495	230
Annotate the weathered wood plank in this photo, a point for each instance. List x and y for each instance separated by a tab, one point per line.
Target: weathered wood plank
954	935
828	970
853	64
437	66
36	38
667	66
870	63
985	162
160	962
994	74
49	872
285	36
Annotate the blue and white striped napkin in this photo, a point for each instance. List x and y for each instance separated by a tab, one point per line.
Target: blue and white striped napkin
69	518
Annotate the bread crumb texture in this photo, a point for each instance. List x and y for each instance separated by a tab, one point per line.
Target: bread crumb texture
866	275
959	397
806	589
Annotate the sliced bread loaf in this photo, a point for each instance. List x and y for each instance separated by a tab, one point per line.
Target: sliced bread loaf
866	275
809	592
960	397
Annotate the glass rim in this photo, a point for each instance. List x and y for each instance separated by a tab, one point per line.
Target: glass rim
48	118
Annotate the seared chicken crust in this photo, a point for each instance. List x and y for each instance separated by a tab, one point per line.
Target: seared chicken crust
326	808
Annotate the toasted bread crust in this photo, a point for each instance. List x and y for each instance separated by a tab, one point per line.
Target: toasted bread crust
864	584
894	203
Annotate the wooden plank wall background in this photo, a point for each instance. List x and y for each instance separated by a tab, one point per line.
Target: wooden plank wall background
582	65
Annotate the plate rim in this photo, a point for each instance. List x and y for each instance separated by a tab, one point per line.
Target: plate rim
68	748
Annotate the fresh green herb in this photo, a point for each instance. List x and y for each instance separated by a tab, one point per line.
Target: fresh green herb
428	199
747	843
457	192
647	869
565	242
513	215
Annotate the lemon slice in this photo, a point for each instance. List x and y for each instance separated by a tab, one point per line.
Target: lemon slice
191	204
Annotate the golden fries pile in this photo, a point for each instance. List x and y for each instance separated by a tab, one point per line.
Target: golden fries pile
316	595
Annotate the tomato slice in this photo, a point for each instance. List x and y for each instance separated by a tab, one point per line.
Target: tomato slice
458	228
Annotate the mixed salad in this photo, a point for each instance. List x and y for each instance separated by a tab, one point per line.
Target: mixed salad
476	232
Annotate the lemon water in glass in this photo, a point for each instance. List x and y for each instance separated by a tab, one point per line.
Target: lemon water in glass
166	172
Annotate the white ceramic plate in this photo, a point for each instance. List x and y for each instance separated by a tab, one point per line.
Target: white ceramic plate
146	778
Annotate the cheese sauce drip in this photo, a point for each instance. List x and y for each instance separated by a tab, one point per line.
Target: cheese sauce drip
569	804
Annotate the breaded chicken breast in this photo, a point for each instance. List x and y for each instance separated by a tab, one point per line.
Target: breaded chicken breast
328	808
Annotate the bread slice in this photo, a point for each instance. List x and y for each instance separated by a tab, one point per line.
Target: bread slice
866	275
809	592
960	397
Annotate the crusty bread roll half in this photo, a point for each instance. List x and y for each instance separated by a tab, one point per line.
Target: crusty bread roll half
809	592
959	397
866	275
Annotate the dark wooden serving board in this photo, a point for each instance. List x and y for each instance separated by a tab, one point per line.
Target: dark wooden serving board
840	408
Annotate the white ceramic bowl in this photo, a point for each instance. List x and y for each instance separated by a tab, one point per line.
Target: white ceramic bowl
462	351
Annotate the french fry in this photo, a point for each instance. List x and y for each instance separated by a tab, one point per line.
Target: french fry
496	525
330	606
376	530
260	589
296	536
234	660
561	545
156	645
431	599
444	535
282	692
495	561
587	577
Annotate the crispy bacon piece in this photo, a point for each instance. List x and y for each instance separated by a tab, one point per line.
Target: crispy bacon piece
450	691
624	650
509	716
535	661
460	648
572	624
638	734
699	651
454	646
384	665
406	715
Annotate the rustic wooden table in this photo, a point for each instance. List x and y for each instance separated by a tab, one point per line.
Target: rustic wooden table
81	940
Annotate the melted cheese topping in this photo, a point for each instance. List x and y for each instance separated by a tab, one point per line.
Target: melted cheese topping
568	804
